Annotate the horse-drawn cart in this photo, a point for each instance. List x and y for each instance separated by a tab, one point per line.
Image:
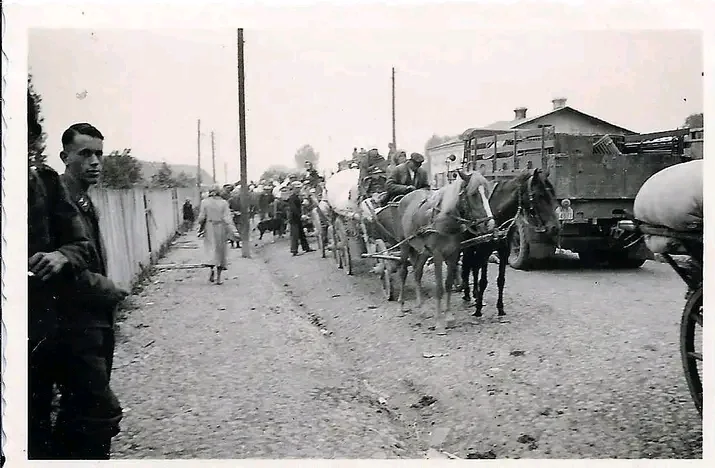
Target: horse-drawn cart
369	231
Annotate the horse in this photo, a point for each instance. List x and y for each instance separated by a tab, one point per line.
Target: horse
431	224
528	197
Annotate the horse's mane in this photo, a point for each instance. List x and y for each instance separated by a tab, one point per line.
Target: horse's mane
450	193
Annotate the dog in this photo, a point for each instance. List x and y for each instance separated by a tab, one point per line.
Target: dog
275	225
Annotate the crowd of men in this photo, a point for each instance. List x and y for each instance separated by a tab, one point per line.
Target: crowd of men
71	309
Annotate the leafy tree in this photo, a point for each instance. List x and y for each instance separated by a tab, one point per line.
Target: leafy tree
306	153
278	172
184	180
35	135
164	177
435	140
121	170
694	121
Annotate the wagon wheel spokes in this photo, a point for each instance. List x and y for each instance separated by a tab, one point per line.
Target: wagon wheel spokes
692	318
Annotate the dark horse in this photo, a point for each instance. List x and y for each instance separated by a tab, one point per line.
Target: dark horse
431	224
529	197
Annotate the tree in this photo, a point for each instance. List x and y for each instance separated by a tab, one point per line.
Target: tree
435	140
35	135
306	153
694	121
279	172
121	170
184	180
164	177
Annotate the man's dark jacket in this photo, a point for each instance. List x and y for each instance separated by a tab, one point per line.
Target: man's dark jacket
53	224
89	301
295	209
399	181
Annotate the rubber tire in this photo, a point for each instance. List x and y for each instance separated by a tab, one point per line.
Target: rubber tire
518	236
692	375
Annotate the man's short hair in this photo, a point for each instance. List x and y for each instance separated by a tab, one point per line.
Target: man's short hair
82	128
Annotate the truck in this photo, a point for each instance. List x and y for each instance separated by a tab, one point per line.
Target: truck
599	174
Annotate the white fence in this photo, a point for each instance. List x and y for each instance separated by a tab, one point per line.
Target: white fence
135	225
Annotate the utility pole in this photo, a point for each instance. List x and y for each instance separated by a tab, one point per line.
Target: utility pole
225	172
213	157
198	158
245	228
394	138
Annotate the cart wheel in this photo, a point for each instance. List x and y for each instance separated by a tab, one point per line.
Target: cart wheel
319	232
691	338
386	273
342	247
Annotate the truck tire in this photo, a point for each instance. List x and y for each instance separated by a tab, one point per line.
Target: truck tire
519	247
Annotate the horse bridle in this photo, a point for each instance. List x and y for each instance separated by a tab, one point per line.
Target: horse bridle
466	206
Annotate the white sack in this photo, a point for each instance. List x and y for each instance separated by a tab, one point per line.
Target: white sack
673	197
341	191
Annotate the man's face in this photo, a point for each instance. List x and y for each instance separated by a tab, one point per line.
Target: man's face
83	158
402	157
414	164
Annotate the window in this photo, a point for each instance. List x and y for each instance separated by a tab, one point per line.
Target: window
503	167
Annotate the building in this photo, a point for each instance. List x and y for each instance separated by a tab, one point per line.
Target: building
561	119
436	160
694	143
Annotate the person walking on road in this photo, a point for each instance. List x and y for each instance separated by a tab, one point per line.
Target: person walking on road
189	216
58	246
215	215
89	412
295	213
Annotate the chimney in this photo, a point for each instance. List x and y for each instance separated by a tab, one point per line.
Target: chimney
559	103
520	113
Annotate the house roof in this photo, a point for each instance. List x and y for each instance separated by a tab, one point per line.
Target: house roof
512	124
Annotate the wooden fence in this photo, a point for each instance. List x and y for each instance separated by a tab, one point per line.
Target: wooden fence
136	224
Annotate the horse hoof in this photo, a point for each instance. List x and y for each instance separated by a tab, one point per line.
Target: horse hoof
466	298
477	314
501	313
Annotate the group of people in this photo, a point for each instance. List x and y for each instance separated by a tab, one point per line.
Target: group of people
71	309
395	176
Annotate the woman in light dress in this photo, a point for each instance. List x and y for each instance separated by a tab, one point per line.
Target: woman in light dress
215	215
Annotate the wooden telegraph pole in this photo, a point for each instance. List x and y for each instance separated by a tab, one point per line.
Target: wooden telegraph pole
213	157
394	138
225	172
245	228
198	157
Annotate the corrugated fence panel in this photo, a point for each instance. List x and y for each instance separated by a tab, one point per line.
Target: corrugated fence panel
126	228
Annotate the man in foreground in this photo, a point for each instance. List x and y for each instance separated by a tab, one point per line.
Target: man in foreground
89	412
58	250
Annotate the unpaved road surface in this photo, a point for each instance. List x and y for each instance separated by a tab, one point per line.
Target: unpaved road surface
292	358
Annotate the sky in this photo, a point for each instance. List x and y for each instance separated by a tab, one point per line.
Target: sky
330	88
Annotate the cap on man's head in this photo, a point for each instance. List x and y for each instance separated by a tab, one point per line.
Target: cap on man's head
416	157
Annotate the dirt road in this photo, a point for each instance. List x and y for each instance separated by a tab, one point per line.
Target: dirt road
586	363
292	358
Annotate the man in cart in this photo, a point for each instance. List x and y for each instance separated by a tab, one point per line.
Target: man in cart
407	177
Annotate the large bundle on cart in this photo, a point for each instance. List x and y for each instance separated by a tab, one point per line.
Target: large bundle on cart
672	198
341	192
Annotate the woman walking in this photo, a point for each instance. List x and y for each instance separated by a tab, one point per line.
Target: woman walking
215	214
